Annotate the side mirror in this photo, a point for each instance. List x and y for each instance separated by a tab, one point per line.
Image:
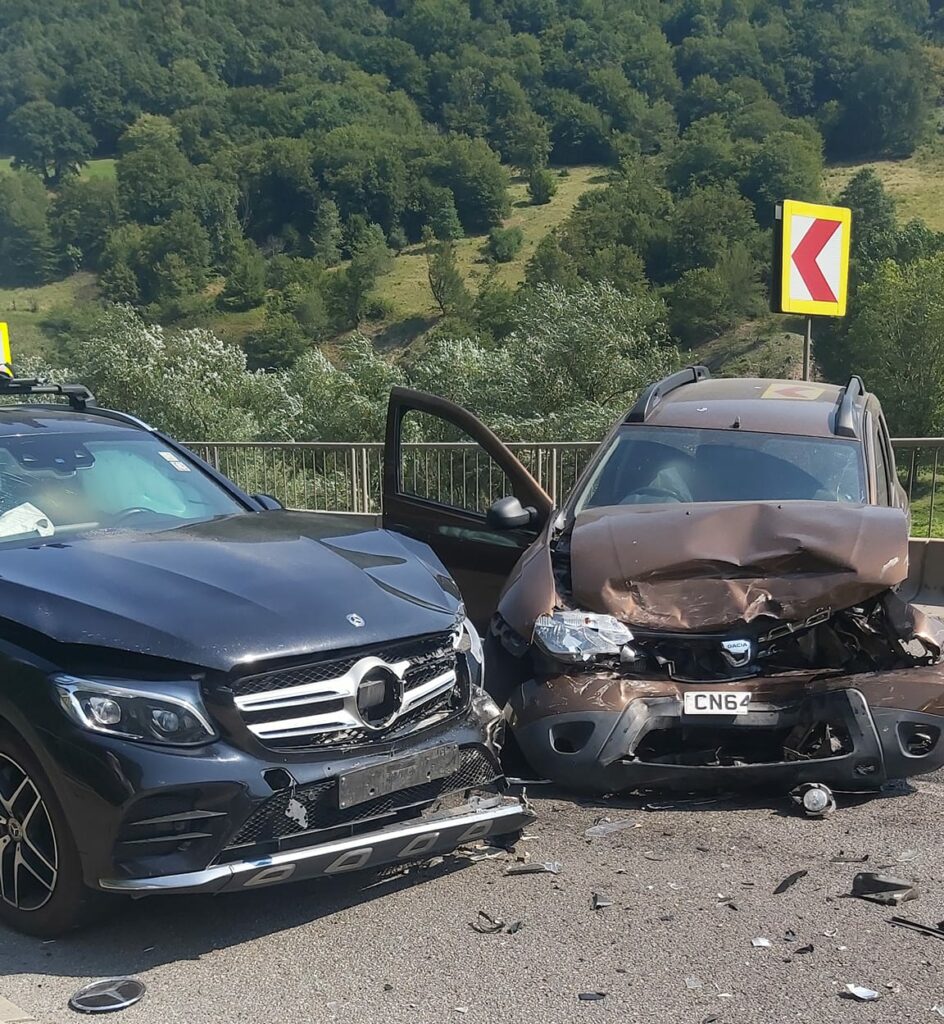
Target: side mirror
509	514
268	503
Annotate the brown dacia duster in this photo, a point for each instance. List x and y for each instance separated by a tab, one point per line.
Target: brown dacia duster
714	604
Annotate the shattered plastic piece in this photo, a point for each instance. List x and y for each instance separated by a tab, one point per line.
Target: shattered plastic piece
608	828
591	997
907	855
461	1009
485	924
672	805
514	926
790	880
789	935
550	867
801	950
760	943
917	926
885	889
598	902
815	799
861	994
692	983
938	1009
652	855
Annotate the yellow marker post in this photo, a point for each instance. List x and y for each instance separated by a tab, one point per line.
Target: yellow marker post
6	357
812	272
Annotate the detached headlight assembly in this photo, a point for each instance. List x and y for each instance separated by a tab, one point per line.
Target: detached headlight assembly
121	709
580	636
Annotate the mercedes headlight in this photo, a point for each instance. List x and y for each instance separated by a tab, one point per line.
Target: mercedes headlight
580	636
133	711
467	639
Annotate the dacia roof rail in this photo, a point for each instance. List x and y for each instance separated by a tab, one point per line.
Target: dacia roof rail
78	395
653	395
845	417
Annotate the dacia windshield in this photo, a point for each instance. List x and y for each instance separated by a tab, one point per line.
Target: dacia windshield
651	465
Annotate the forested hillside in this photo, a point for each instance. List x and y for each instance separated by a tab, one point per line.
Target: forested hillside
286	173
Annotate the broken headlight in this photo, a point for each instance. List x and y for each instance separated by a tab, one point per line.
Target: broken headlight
580	636
122	709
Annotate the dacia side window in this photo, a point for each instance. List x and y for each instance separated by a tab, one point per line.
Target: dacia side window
882	481
441	464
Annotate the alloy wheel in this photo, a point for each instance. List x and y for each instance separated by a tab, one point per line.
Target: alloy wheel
29	856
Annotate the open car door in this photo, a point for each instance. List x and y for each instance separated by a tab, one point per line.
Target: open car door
466	495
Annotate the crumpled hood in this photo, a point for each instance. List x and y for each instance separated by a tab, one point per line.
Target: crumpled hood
228	592
715	566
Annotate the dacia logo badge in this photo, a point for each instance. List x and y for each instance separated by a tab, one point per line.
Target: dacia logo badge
355	620
738	653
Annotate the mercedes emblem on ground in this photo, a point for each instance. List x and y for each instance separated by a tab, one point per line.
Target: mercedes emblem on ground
108	995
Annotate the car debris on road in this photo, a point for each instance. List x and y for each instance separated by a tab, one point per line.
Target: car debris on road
885	889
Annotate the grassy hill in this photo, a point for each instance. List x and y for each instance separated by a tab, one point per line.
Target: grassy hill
915	183
405	287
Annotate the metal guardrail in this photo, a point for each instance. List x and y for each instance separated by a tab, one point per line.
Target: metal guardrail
347	477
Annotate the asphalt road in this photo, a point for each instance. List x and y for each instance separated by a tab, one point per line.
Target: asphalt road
365	949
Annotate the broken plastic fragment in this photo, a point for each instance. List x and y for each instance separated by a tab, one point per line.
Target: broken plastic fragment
861	994
917	926
760	943
885	889
550	867
801	950
790	880
607	827
591	997
485	924
692	983
598	902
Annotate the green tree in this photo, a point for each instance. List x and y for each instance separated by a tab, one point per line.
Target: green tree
246	284
277	344
83	214
542	186
895	339
445	279
152	170
350	287
884	107
27	252
49	140
326	232
505	243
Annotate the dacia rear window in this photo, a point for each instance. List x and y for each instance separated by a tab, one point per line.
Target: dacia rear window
653	465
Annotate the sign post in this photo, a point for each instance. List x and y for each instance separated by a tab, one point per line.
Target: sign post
811	264
6	359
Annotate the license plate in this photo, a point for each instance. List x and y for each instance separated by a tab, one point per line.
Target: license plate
716	702
365	784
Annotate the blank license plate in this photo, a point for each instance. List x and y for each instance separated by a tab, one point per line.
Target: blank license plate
365	784
715	702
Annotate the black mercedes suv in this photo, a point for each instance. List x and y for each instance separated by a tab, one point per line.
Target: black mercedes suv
201	691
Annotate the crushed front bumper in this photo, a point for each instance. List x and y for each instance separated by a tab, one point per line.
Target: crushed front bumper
606	734
395	844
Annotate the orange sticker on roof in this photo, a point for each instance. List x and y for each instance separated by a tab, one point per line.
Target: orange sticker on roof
801	392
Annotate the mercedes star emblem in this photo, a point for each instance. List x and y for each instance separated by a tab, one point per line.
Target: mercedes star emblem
355	620
108	995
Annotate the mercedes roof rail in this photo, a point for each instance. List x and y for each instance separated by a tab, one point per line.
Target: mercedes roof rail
653	395
78	395
845	416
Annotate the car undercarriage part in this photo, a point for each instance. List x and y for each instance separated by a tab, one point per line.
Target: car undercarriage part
816	800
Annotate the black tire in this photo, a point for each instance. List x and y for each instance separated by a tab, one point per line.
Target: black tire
41	887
